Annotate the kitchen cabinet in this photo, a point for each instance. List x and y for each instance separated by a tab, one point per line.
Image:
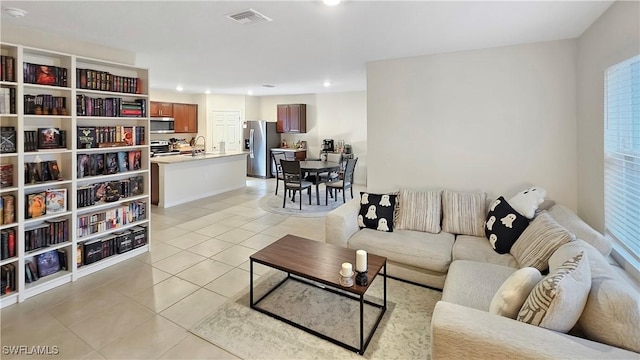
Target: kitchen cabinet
161	109
185	118
292	118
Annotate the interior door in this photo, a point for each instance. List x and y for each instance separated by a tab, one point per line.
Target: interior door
226	127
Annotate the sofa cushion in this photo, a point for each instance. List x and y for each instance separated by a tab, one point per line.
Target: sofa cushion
504	225
514	291
557	301
473	284
419	210
598	264
420	249
477	248
539	241
612	314
376	211
567	218
463	213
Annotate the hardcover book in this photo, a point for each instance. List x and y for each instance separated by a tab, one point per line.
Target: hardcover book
6	175
62	258
36	205
111	163
136	185
112	191
123	161
56	200
97	164
45	75
84	168
9	209
7	139
135	160
100	191
87	137
54	170
92	251
48	263
45	173
48	138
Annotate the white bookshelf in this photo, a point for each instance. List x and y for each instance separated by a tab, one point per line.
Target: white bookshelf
67	161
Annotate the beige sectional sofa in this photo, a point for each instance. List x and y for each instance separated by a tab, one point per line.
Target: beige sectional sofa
470	272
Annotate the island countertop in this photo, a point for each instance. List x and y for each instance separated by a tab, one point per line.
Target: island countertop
288	149
175	159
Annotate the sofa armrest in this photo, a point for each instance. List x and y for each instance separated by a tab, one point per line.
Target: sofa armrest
459	332
342	222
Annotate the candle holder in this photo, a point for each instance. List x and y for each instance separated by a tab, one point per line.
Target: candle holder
361	278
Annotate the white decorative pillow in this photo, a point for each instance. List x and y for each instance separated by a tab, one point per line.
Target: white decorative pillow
420	211
514	291
539	241
463	213
557	301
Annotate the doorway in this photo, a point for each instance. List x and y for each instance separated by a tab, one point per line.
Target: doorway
226	127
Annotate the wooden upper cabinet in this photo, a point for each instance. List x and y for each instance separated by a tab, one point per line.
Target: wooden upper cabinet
185	117
292	118
161	109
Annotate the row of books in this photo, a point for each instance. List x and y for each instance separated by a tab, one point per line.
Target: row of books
110	107
44	104
44	74
7	244
49	233
51	201
45	264
7	100
109	163
112	219
7	209
7	139
8	279
37	172
110	191
45	138
104	81
7	68
106	136
118	243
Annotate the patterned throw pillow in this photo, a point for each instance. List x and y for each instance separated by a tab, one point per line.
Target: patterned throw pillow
420	211
503	226
463	213
558	300
376	211
539	241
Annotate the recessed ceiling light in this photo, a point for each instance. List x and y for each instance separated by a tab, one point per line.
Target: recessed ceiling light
326	84
207	92
331	2
15	12
250	92
268	85
179	88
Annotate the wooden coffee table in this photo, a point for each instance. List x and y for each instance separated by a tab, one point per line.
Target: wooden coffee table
321	263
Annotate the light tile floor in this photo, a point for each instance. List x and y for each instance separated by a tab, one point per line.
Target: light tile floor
143	307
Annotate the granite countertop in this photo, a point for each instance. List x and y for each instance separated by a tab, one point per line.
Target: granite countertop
174	159
288	149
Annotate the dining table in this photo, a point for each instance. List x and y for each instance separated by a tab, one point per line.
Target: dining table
315	168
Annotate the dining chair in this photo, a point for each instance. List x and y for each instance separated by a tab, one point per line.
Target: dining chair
276	169
342	185
293	181
331	176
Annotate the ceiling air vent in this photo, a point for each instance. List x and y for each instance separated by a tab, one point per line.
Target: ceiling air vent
249	16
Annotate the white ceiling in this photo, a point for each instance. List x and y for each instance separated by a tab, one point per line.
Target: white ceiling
193	44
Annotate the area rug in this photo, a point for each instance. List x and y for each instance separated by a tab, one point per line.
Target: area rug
273	204
403	332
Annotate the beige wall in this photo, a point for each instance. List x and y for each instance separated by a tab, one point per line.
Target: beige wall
329	116
614	37
494	120
44	40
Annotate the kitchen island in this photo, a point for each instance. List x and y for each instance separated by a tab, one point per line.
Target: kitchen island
179	179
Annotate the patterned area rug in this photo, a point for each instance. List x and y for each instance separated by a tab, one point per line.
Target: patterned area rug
403	332
273	204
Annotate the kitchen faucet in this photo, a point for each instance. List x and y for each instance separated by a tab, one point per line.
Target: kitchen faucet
195	143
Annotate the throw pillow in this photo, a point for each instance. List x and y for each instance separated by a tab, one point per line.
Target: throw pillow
504	225
526	202
556	302
420	211
581	229
514	291
539	241
463	213
376	211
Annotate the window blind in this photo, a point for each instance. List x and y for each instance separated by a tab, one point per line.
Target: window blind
622	154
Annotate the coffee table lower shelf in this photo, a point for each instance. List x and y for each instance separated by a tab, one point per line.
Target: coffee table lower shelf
363	342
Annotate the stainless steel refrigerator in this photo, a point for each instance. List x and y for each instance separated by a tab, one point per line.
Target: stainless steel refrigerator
259	138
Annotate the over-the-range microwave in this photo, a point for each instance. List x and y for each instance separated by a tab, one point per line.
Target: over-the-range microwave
162	125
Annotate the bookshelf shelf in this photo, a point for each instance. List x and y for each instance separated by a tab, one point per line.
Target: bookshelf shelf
34	78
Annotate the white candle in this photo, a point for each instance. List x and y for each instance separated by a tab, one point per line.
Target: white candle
361	261
347	269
